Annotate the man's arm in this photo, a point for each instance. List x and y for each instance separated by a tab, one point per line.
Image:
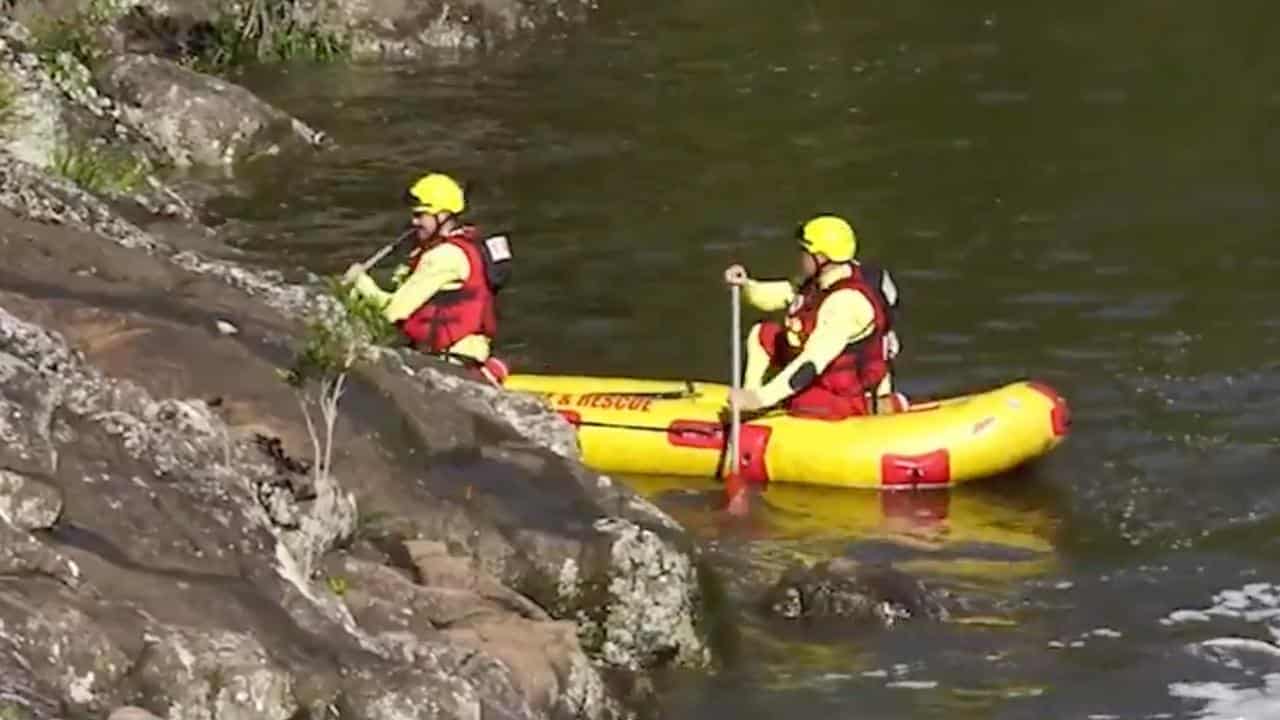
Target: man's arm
845	316
769	295
442	265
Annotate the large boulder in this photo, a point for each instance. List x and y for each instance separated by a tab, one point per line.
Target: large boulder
191	521
520	659
409	28
192	675
368	29
197	119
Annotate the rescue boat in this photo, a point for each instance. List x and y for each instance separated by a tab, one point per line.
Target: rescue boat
659	427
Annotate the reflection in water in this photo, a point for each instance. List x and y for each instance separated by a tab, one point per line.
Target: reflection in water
959	533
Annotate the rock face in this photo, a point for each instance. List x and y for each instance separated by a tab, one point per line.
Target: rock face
166	580
408	28
27	503
839	590
196	118
460	562
167	546
370	29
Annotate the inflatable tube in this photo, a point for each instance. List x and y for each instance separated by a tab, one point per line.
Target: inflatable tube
639	427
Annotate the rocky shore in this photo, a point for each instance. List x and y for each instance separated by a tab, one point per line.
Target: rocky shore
167	547
164	549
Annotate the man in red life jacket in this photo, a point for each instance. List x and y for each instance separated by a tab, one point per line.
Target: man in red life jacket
447	304
834	349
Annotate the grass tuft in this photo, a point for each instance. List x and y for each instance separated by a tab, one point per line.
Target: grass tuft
99	169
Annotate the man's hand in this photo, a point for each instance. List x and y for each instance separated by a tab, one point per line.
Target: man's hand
735	275
353	272
746	400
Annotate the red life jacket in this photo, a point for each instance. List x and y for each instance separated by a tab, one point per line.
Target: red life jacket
862	364
451	315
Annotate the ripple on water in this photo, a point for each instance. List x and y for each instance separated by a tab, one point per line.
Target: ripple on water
1001	97
1056	298
1136	307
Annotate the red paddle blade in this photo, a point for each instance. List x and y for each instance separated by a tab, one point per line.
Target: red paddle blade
735	491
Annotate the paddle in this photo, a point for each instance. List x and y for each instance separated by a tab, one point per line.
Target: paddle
376	258
735	490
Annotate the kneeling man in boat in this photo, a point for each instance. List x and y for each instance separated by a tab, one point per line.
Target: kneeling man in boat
447	304
834	351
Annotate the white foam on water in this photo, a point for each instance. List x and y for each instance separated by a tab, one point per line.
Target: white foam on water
913	684
1258	698
1232	702
1254	602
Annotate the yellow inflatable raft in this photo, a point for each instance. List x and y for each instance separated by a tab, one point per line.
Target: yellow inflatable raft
674	428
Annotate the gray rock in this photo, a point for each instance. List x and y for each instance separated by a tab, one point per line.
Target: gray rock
130	712
406	29
23	555
196	118
21	697
202	675
57	115
27	503
33	194
374	29
519	664
409	693
651	615
35	126
525	413
174	514
841	590
61	648
616	564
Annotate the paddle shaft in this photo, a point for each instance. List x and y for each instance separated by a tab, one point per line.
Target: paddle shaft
376	258
735	433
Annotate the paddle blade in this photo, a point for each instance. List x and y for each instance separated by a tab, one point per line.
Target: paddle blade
735	490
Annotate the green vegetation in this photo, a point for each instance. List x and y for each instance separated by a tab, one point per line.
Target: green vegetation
99	168
8	102
73	35
333	345
268	31
258	31
371	524
14	711
337	585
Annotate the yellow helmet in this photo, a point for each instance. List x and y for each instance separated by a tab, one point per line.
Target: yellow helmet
436	192
829	236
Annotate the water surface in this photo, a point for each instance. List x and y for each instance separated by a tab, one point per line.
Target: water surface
1081	194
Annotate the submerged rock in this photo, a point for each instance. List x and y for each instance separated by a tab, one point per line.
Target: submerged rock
841	590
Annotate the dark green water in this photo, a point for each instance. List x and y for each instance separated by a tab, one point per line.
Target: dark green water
1083	194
